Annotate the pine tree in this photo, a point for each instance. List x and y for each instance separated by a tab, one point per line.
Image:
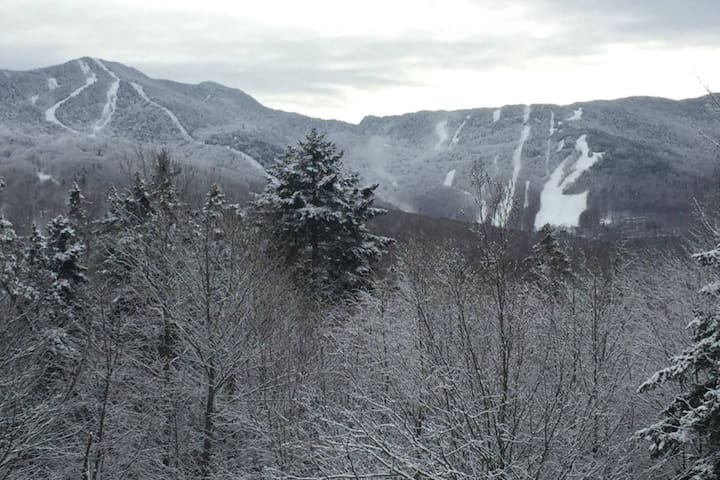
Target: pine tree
549	262
64	253
317	216
691	423
76	206
162	184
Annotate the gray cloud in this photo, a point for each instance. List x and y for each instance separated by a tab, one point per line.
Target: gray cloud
270	61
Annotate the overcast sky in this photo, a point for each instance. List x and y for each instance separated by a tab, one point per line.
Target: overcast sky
350	58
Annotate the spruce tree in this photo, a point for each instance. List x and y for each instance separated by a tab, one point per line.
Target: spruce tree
76	206
690	425
64	253
317	213
549	262
162	184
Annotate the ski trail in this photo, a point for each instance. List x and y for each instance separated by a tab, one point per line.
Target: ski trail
245	156
456	135
526	203
173	118
441	132
577	115
111	103
547	150
517	156
449	178
90	79
141	91
557	207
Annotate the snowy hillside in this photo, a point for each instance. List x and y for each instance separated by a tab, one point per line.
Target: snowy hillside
584	165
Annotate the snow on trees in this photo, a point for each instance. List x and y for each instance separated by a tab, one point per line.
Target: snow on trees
691	423
316	214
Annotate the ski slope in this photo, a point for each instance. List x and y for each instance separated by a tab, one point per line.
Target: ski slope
442	134
111	102
561	209
51	113
449	178
173	118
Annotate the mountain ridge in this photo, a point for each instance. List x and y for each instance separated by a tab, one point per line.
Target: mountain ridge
605	160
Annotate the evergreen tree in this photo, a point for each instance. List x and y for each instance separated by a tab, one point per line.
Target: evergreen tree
162	184
64	252
691	423
76	206
317	214
549	262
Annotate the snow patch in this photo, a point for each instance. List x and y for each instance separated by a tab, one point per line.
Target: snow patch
507	202
606	220
52	83
449	178
111	102
442	133
34	99
526	203
496	115
44	177
577	115
456	135
561	209
561	145
90	79
207	98
552	123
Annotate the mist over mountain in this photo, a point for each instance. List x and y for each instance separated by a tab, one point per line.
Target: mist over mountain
587	165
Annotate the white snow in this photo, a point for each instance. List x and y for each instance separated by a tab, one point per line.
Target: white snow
561	145
561	209
495	162
173	118
506	204
111	102
496	115
577	115
244	155
52	83
442	133
34	99
449	178
207	98
456	135
526	203
547	158
552	123
44	177
606	219
141	91
50	113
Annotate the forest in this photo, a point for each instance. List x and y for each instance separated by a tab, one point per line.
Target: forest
290	337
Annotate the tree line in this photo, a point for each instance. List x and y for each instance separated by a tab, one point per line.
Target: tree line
165	340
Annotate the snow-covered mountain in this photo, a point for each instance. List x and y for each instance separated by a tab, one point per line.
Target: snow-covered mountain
635	160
